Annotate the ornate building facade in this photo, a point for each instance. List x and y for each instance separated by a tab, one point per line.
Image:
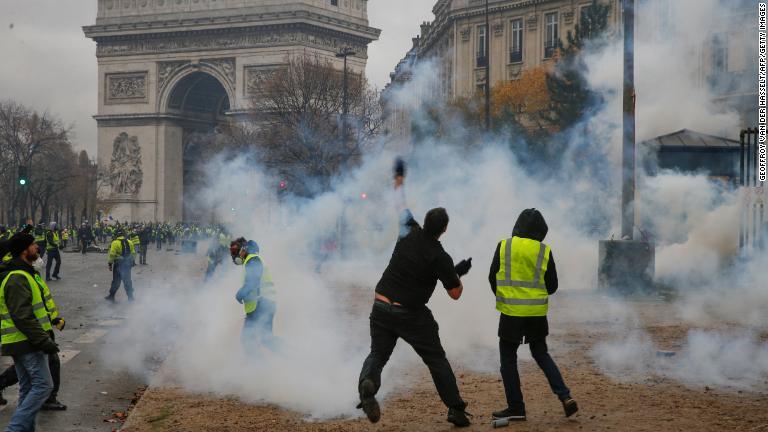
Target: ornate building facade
170	67
523	34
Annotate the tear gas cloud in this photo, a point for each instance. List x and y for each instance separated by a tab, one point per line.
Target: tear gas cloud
323	306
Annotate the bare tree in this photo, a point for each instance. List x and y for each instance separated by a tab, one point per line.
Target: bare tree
40	144
301	127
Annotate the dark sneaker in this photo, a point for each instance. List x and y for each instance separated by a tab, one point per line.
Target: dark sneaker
458	417
47	279
570	407
368	400
110	298
57	277
53	405
510	414
2	400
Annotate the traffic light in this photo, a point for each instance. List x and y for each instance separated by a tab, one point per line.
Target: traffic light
23	176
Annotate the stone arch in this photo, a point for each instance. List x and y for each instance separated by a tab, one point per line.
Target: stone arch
182	75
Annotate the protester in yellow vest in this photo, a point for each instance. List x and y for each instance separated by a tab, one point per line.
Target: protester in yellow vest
522	278
120	261
257	295
24	327
53	244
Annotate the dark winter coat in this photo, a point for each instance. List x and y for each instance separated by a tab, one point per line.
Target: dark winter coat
531	225
18	299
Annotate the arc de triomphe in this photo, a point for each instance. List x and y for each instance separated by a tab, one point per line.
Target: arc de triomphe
170	66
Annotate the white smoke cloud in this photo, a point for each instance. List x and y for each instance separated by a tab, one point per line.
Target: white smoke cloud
323	306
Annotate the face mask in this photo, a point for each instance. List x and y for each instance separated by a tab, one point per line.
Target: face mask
38	265
238	261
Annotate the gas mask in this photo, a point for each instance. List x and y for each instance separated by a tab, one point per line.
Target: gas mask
38	265
234	252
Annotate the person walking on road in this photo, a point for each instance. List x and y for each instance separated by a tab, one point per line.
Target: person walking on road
145	236
40	239
400	311
53	244
120	261
9	376
84	237
25	324
257	295
522	277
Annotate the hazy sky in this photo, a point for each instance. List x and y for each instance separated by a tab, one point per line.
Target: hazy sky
48	64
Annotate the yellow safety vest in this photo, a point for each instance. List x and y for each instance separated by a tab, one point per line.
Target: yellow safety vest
135	242
7	258
9	334
50	305
65	235
520	287
267	288
40	238
54	244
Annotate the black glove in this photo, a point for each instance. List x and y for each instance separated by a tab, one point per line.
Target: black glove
399	167
49	347
110	266
463	267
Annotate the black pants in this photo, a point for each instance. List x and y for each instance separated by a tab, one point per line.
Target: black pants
419	329
511	377
53	255
143	253
121	272
9	377
159	244
84	246
41	249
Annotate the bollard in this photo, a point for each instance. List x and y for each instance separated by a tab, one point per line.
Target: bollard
500	423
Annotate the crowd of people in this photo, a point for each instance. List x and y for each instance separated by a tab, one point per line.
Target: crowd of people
28	312
522	276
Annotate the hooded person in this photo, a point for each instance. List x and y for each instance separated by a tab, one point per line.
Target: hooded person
256	294
522	277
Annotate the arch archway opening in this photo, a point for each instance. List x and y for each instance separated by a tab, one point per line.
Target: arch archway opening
200	103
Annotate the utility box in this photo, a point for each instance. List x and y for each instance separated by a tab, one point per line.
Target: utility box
626	267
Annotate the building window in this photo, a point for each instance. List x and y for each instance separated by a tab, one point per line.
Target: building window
516	42
719	54
552	35
334	2
482	40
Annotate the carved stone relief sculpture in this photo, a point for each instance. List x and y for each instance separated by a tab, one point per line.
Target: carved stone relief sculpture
166	70
126	88
125	174
465	32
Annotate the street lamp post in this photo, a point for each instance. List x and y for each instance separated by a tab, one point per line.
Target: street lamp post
487	70
628	147
344	53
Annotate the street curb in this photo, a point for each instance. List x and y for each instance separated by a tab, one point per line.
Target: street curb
129	421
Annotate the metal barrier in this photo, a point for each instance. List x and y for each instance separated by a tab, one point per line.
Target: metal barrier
754	229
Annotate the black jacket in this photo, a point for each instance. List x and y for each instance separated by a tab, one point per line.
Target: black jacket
531	225
18	299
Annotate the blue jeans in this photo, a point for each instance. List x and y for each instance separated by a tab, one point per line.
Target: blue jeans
511	377
35	385
257	329
121	272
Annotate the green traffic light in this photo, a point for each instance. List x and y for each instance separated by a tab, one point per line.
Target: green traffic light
22	182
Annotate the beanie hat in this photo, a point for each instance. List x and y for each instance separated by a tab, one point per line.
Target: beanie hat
19	243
